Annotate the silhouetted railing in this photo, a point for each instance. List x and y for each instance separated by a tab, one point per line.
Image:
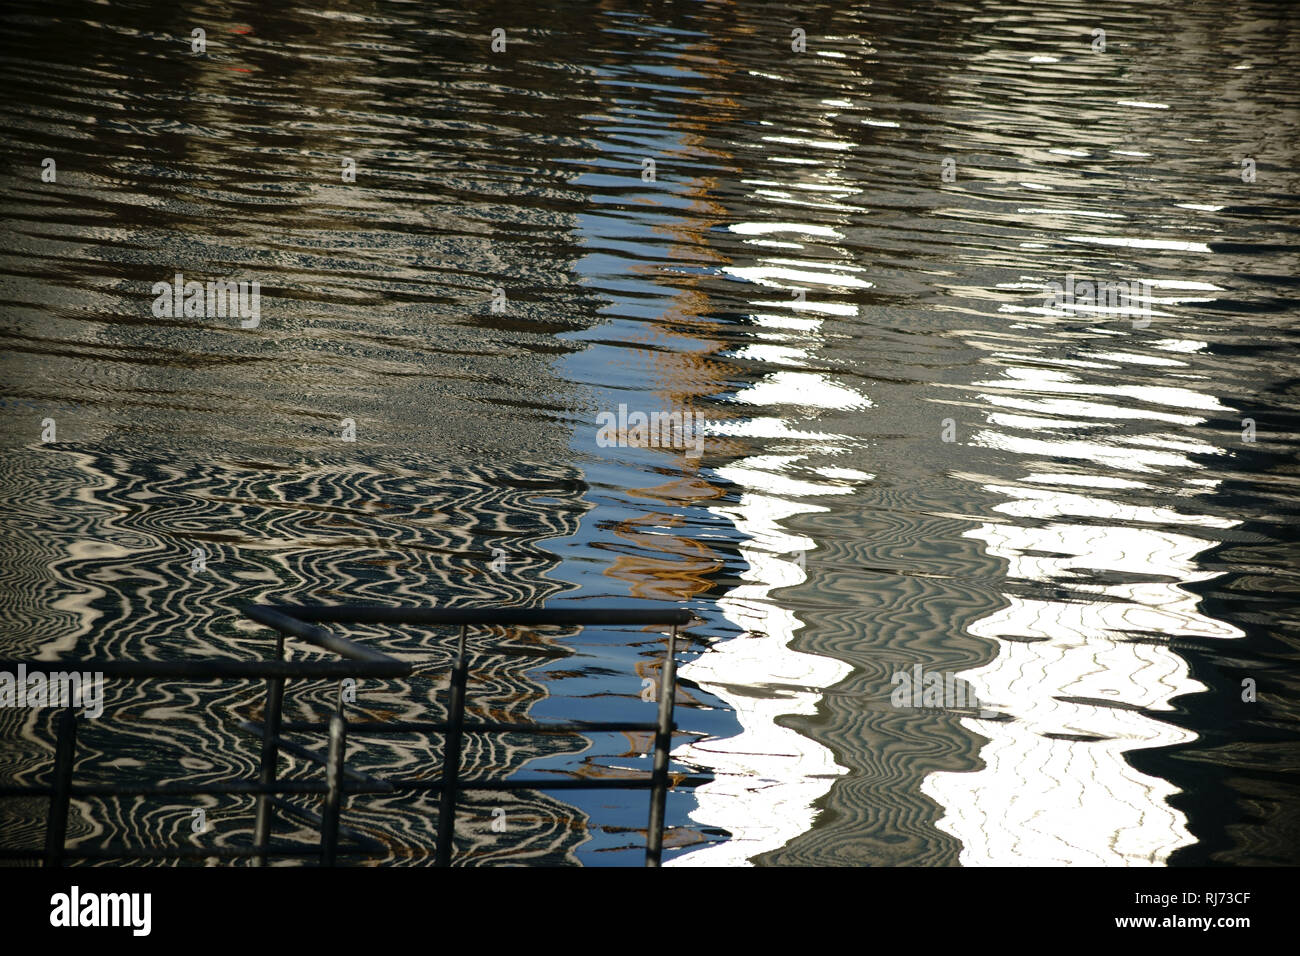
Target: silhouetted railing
340	782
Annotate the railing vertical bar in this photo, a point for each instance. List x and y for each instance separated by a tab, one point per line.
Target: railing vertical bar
329	825
451	757
276	672
65	750
270	756
663	743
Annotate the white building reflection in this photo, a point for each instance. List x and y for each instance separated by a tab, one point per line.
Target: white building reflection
768	777
1079	681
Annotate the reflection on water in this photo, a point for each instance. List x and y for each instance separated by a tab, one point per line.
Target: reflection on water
770	776
100	562
1080	673
915	456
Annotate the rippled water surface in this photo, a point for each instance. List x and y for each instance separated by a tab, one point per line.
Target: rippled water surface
1080	516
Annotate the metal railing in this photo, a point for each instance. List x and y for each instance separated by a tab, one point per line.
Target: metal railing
302	622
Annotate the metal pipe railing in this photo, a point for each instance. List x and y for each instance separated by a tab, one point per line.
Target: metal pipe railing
451	753
358	661
64	754
329	824
219	669
288	624
271	714
487	617
663	742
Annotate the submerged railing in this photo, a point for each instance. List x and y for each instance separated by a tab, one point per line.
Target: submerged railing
302	621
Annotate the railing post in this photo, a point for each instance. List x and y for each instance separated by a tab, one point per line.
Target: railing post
663	743
270	756
451	756
56	831
329	823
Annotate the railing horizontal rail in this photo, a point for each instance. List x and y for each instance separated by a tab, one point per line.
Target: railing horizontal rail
358	661
182	852
199	670
485	617
230	788
237	788
382	727
595	783
287	624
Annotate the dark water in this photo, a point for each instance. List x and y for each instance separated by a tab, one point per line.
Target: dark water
1099	554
